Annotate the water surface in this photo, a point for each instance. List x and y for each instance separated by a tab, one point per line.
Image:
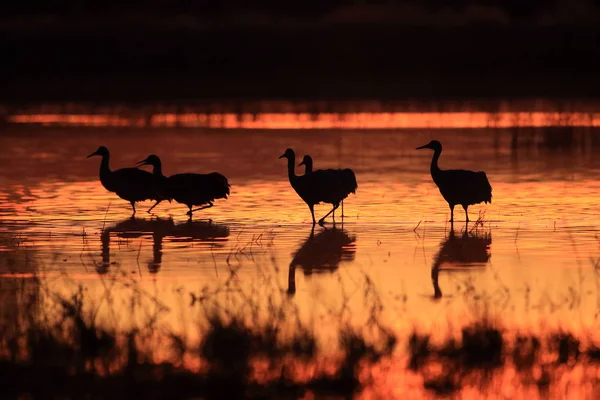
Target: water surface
528	259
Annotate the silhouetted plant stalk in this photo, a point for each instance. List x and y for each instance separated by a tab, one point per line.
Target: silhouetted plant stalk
249	342
252	342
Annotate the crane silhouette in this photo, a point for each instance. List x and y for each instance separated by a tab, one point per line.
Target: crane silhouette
131	184
316	187
321	253
188	188
345	176
469	251
458	186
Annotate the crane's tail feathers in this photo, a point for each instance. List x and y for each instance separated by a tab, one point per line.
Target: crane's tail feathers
349	180
483	186
222	186
226	188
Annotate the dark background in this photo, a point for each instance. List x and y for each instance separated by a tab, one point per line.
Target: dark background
143	51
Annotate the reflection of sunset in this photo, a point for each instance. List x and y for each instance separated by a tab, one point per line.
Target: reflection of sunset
164	165
536	274
363	120
530	221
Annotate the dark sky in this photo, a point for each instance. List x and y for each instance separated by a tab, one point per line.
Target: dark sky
147	50
513	8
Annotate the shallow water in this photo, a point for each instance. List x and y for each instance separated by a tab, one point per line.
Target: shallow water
529	261
527	257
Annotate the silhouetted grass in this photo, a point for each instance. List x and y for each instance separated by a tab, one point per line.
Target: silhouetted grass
243	354
72	354
484	350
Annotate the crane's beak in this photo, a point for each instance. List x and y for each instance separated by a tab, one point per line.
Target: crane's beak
143	162
93	154
423	147
282	156
301	164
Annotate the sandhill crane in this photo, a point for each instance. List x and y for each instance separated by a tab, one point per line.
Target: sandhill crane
345	176
458	186
131	184
317	187
188	188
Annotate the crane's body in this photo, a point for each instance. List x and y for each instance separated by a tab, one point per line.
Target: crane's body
343	180
320	186
458	186
188	188
131	184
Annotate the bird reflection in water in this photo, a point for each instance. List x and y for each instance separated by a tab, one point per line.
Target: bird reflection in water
469	251
189	231
322	253
200	231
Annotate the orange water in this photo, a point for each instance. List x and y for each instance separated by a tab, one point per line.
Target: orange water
529	262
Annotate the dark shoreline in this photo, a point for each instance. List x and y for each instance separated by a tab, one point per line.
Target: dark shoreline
141	63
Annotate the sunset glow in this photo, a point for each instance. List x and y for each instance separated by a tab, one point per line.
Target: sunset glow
395	250
364	120
370	200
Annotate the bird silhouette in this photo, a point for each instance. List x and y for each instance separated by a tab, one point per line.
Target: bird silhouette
458	186
131	184
188	188
316	187
321	253
345	176
459	253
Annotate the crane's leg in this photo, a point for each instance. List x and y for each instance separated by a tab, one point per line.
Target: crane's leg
133	207
342	210
210	204
312	212
451	212
155	204
322	220
466	212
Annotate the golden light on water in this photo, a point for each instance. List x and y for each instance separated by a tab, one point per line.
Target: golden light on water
528	263
361	120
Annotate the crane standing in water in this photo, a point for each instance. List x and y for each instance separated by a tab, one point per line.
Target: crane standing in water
131	184
458	186
188	188
316	187
345	176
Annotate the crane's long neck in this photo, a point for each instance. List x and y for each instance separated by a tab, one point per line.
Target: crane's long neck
309	167
104	168
435	170
291	169
158	170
